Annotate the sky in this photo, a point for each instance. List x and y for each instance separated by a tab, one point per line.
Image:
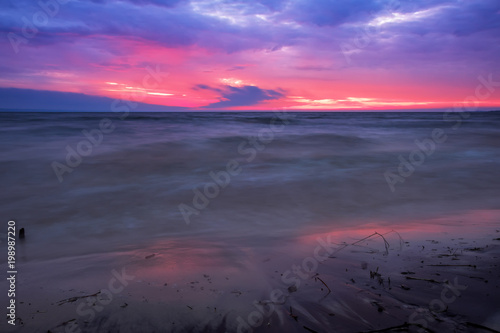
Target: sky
248	54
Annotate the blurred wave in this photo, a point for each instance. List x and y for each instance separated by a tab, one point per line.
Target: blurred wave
320	170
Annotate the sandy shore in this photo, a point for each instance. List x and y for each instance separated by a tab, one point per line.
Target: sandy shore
435	276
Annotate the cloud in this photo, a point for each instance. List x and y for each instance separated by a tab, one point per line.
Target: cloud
162	3
201	86
294	44
333	13
173	23
30	99
206	87
244	96
235	68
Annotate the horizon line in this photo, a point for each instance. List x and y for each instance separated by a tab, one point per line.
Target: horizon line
249	110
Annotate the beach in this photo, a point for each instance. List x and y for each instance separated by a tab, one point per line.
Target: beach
438	276
253	222
250	166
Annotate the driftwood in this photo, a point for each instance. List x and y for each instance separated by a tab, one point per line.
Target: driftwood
420	279
76	298
468	323
402	328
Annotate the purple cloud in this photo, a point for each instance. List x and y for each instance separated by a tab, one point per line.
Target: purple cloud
447	39
44	100
333	13
244	96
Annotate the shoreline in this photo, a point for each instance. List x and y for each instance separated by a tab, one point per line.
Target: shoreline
424	281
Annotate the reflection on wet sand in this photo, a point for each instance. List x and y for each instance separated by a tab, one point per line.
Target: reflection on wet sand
441	275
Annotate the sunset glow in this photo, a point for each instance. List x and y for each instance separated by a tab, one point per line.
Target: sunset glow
254	55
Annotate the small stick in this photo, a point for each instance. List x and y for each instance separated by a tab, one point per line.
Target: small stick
443	265
292	315
317	277
428	280
405	325
73	299
481	326
310	330
66	322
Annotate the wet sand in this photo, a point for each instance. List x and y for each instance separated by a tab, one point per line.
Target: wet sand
438	275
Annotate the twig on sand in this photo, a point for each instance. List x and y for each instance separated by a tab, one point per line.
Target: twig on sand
292	315
374	274
316	277
386	243
443	265
468	323
478	277
401	240
420	279
66	322
403	328
76	298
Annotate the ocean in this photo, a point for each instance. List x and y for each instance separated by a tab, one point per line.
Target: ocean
208	211
298	172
